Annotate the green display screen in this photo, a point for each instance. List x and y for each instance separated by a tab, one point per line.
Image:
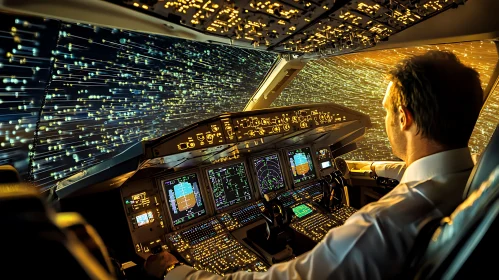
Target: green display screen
302	210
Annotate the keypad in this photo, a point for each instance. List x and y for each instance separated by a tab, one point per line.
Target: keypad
242	216
289	198
315	225
202	231
312	191
343	213
209	247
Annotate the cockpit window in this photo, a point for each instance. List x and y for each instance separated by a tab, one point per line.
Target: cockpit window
486	124
357	82
74	95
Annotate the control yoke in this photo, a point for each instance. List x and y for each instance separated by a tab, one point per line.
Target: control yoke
277	218
333	190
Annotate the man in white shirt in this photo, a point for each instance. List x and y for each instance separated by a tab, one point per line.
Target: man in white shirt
432	104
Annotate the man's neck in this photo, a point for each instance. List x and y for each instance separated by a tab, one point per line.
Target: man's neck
421	149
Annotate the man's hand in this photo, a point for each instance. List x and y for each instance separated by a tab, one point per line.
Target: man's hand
156	265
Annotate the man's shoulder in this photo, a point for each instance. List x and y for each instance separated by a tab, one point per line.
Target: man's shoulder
439	195
404	203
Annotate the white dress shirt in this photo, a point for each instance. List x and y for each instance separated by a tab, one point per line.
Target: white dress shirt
393	170
374	242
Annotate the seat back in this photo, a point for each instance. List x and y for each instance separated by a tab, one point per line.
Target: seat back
8	174
87	235
484	167
34	246
456	248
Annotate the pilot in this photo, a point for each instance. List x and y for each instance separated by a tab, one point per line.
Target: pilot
432	103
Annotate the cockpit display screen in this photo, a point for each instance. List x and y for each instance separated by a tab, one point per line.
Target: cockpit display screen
184	199
144	219
301	210
268	173
302	165
325	164
230	185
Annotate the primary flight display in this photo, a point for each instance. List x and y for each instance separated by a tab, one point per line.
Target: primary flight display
302	165
184	199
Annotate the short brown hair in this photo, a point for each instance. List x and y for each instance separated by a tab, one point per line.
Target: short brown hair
443	95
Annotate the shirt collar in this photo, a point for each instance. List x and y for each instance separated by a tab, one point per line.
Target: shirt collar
451	161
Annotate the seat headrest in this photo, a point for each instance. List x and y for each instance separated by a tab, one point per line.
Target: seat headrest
20	198
450	239
8	174
485	165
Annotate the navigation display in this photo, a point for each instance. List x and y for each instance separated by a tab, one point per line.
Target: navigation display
184	199
268	173
229	185
302	166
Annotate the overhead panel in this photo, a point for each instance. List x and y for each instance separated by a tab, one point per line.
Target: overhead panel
292	26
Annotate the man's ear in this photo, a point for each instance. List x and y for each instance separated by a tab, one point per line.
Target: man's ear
405	118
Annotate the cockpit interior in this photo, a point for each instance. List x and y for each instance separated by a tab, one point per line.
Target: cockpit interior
234	134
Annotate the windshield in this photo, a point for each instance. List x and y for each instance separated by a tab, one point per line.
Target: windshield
357	82
74	95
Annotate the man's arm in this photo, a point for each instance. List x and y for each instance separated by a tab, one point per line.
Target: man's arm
347	252
371	244
393	170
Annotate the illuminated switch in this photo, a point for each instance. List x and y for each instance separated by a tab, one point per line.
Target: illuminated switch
182	146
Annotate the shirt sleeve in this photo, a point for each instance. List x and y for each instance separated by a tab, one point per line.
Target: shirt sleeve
390	170
370	245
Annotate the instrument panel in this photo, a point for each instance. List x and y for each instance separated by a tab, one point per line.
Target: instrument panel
201	213
229	185
268	173
209	246
302	167
250	129
184	199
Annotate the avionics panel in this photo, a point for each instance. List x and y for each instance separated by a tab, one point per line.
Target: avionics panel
183	198
144	219
229	185
268	173
323	154
261	125
317	27
325	164
301	164
324	158
143	209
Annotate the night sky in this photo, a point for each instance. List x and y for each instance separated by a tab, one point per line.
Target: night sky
107	90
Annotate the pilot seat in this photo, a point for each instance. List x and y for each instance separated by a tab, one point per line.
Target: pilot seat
458	246
38	243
